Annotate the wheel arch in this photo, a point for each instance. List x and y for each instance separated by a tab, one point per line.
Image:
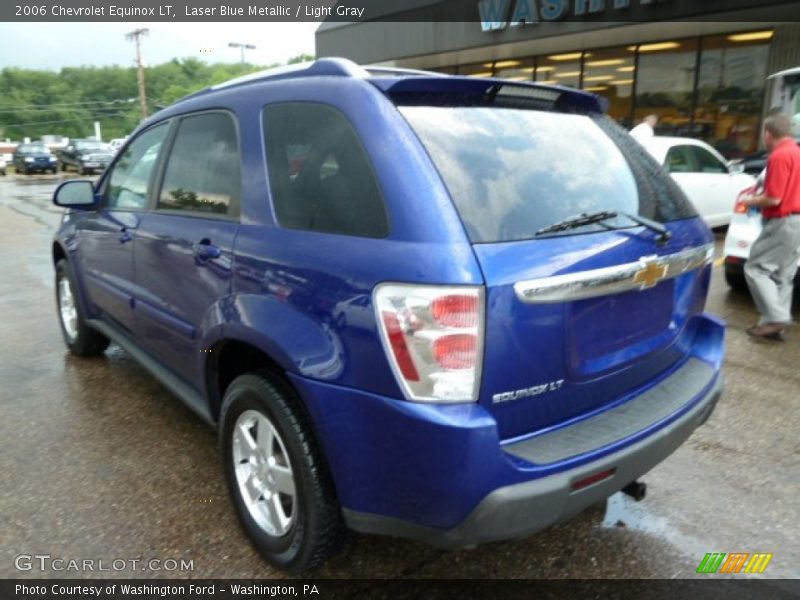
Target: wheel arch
58	253
230	357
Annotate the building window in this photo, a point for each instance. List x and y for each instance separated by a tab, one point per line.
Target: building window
708	88
665	83
478	70
730	91
515	70
610	73
563	69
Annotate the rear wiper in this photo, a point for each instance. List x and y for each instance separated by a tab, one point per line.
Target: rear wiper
598	217
580	221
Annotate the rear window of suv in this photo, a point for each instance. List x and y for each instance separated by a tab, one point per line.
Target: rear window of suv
511	172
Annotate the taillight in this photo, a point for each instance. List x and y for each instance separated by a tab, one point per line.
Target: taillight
433	337
739	207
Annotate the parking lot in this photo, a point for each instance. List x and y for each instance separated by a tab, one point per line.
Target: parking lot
99	461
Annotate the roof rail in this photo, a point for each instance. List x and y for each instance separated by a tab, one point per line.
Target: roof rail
396	72
322	67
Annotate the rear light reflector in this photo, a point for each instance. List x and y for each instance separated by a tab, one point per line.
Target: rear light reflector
433	338
399	348
455	310
592	479
457	351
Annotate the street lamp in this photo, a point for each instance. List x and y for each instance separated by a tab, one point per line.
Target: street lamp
242	47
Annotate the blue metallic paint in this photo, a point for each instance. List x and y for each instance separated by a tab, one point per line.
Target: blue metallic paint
432	465
304	299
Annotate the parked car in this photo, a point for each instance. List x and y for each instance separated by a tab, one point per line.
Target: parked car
532	336
755	163
32	158
2	166
744	229
116	144
708	180
86	156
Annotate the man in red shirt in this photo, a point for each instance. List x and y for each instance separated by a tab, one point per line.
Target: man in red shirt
772	264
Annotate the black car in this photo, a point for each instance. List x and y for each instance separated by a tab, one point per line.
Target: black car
32	158
85	156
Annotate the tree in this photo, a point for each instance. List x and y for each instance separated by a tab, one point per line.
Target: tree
36	103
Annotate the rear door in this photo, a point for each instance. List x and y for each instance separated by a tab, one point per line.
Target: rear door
578	319
108	238
184	247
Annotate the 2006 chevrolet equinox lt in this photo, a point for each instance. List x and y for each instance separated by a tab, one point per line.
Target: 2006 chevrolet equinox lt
451	309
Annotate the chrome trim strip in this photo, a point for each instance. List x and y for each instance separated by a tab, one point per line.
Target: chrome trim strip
613	280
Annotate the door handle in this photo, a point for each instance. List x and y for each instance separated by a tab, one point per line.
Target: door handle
124	236
206	250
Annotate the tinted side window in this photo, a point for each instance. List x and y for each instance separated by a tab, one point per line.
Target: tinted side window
707	162
130	177
320	177
203	170
680	159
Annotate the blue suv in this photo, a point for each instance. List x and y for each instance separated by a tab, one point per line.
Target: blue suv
450	309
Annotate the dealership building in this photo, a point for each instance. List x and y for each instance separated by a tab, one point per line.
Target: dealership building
700	66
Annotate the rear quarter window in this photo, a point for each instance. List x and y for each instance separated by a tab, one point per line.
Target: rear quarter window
320	177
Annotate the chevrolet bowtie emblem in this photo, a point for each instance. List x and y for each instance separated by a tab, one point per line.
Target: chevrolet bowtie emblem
651	274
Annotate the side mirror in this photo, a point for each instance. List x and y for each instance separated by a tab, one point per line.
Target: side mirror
735	167
75	194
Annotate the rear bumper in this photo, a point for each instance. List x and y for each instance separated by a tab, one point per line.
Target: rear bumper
441	474
735	265
31	168
523	509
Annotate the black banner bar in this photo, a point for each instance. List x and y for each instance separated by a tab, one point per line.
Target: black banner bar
712	588
529	12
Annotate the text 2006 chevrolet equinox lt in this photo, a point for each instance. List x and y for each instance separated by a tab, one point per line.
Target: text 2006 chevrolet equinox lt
451	309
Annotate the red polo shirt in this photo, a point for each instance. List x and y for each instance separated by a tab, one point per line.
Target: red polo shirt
783	179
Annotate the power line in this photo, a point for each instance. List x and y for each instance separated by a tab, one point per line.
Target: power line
34	123
54	110
115	101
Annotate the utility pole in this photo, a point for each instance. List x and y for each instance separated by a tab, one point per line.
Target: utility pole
242	47
135	35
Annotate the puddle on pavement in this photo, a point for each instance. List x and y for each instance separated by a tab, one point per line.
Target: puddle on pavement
624	512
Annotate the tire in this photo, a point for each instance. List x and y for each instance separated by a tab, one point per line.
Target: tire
81	339
736	281
300	531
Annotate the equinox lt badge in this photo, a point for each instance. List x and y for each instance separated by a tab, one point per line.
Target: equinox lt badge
536	390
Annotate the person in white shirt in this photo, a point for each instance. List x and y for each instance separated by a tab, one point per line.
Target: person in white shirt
646	129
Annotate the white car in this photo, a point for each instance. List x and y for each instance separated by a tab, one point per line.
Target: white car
745	227
2	166
116	144
710	182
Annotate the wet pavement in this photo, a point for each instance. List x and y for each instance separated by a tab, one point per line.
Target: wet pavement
99	461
